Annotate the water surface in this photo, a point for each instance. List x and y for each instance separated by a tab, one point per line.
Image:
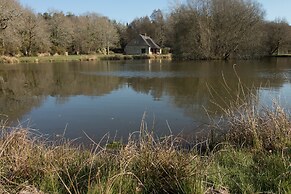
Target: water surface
111	97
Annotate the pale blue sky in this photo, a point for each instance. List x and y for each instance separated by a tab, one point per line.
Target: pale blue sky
127	10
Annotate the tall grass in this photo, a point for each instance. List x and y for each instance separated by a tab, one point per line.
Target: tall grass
254	143
246	124
7	59
268	130
252	156
29	162
144	165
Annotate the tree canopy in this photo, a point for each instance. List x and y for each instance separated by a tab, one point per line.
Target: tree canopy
197	29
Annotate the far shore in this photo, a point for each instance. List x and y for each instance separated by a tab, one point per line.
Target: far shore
92	57
63	58
282	55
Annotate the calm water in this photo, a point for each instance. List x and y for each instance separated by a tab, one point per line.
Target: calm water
111	97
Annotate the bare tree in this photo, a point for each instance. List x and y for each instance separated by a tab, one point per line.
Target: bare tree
277	35
121	31
142	25
95	33
158	20
34	34
107	34
234	22
11	41
10	10
186	33
215	28
86	33
196	29
61	32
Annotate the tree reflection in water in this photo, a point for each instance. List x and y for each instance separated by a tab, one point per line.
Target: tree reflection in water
182	88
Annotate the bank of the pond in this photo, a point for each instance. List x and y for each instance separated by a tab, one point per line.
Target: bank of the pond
248	151
282	55
254	156
62	58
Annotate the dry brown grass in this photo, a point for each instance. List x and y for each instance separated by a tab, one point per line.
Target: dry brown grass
265	129
245	123
26	158
7	59
146	164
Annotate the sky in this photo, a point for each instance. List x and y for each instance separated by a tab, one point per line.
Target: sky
127	10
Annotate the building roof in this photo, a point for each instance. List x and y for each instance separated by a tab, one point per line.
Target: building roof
150	41
143	40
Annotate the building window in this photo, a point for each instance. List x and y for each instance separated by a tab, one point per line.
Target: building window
143	51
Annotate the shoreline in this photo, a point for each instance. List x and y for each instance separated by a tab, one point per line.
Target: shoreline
282	55
68	58
252	156
111	57
248	151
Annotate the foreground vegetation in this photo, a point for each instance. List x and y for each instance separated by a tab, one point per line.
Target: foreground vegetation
253	156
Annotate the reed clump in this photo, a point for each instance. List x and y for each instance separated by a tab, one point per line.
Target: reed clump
158	166
252	156
265	129
247	124
8	59
143	165
250	144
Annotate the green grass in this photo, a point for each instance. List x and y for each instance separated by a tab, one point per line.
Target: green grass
59	58
243	171
282	55
51	58
143	165
253	155
63	58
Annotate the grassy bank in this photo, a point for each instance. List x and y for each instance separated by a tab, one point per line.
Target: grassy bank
62	58
282	55
252	156
247	151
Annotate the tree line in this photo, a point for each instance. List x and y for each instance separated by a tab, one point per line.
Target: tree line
196	29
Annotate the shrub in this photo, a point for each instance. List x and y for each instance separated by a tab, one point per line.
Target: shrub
6	59
268	130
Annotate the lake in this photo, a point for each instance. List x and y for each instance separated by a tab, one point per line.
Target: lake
111	97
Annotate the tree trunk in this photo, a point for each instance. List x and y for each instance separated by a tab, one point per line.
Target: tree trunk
107	48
